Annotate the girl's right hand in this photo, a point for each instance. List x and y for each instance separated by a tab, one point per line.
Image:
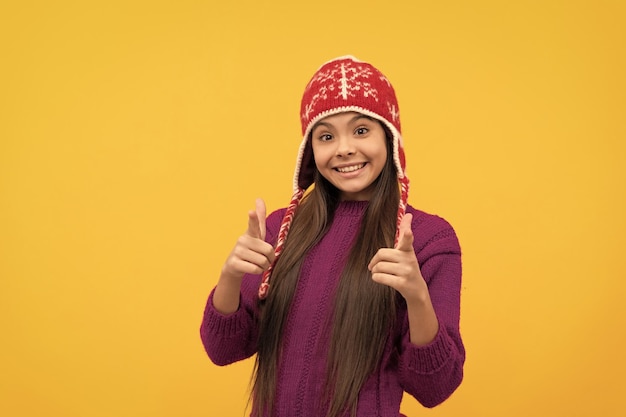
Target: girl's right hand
252	254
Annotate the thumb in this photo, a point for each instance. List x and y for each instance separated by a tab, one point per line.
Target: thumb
256	220
405	242
261	213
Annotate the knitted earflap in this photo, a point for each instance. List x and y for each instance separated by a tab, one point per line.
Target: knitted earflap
343	84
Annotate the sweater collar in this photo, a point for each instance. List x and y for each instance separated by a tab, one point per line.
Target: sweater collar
351	208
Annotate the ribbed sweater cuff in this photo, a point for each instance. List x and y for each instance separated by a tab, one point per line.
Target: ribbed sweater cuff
225	325
430	358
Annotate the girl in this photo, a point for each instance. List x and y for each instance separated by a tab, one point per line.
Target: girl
349	296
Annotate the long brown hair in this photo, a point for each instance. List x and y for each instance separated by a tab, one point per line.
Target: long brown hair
363	310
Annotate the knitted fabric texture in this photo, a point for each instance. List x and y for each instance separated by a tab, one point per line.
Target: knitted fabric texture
343	84
429	373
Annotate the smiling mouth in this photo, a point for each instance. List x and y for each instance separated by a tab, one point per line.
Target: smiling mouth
351	168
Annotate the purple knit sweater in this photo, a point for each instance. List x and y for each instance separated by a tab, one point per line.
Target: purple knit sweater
429	373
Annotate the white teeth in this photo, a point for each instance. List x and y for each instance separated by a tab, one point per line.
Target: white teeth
351	168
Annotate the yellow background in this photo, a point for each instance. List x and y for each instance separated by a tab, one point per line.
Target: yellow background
135	135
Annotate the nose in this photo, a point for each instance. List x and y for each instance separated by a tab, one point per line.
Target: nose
345	146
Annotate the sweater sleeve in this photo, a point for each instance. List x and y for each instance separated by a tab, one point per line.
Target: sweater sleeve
431	373
233	337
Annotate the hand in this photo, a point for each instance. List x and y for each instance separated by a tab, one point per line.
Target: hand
398	267
251	254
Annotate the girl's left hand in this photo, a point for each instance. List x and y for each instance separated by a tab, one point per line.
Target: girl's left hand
398	267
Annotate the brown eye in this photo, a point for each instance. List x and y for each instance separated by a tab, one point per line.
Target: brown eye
360	131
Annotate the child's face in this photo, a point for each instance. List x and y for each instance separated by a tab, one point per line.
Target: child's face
350	152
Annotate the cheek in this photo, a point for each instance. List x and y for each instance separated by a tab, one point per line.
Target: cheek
382	149
320	156
318	164
377	151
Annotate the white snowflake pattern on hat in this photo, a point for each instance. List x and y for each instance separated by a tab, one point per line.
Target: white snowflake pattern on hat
347	78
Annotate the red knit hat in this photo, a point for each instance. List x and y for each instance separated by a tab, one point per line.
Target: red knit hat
344	84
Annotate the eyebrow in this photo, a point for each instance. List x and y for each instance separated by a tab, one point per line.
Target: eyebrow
354	119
